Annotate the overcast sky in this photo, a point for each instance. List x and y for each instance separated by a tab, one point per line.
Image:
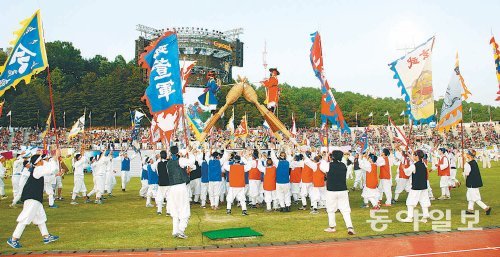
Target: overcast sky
359	37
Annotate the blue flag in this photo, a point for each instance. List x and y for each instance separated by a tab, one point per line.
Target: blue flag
28	56
163	96
162	61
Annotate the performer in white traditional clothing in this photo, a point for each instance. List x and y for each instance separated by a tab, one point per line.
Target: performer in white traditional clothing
370	192
306	184
418	193
25	174
358	174
296	167
402	181
443	168
385	177
216	181
79	179
99	175
235	171
178	198
110	181
17	168
473	181
163	183
2	176
337	195
33	211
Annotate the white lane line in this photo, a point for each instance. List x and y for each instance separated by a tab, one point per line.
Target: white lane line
455	251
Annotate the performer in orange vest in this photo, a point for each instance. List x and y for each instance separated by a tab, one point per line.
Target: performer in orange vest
443	168
402	182
272	89
254	180
370	192
318	178
295	176
306	182
236	177
269	184
385	177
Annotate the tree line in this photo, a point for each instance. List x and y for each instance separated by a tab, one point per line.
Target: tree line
103	87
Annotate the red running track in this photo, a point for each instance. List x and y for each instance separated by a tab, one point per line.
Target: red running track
470	243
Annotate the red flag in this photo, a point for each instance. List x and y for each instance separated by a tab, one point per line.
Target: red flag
242	129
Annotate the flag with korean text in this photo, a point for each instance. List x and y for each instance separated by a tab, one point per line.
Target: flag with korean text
330	109
163	96
414	75
28	56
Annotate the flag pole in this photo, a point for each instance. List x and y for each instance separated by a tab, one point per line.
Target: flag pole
462	135
115	120
51	96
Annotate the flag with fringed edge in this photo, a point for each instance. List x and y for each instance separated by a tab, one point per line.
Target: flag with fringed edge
163	96
330	109
28	56
414	74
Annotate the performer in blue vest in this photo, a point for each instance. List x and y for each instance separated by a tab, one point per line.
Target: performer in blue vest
283	179
125	168
152	181
204	182
32	196
215	177
144	179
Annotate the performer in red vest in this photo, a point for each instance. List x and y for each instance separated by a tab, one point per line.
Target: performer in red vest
370	192
385	177
296	167
254	180
272	89
236	177
443	168
269	184
402	182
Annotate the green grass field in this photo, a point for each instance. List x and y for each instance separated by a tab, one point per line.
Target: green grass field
124	222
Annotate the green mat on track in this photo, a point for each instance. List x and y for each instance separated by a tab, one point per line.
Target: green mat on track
231	233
